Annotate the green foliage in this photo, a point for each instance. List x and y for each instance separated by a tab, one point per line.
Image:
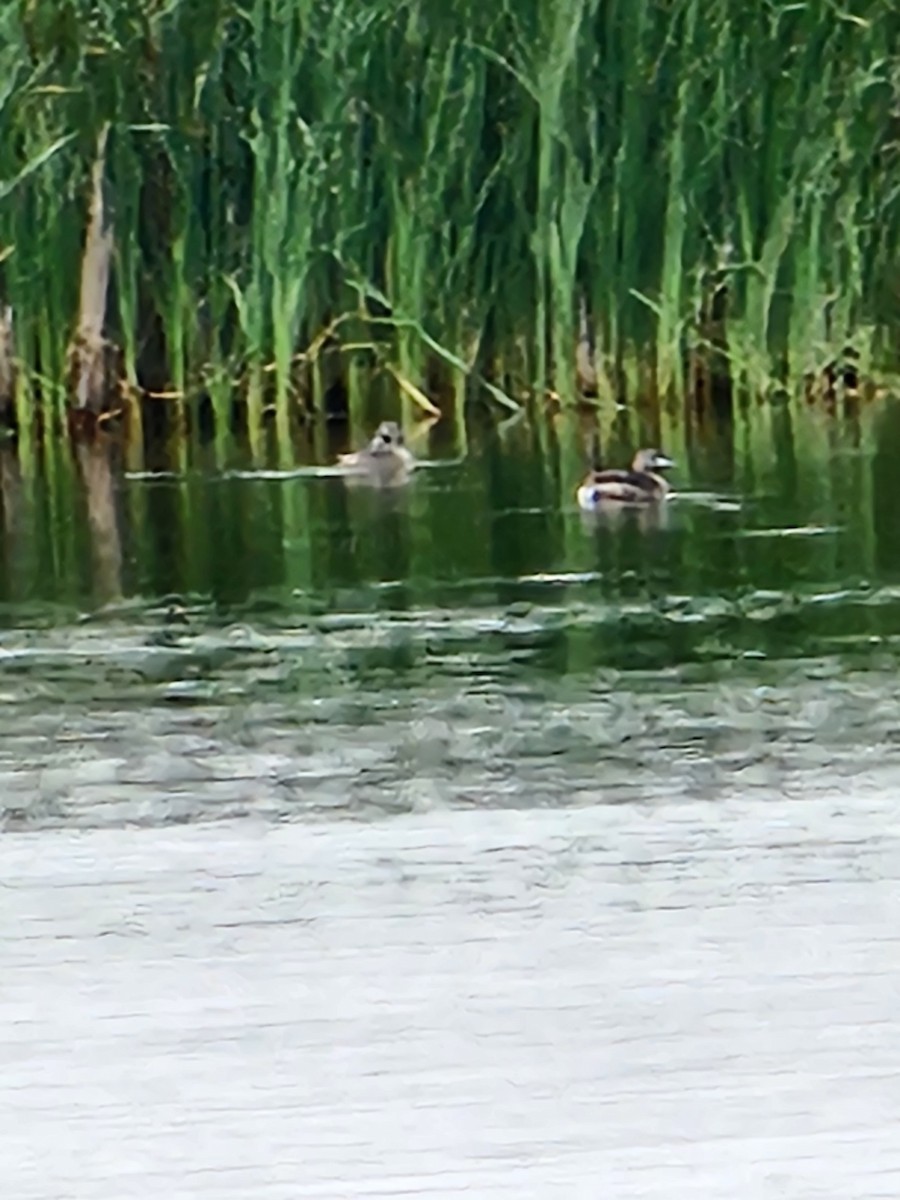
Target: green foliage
459	175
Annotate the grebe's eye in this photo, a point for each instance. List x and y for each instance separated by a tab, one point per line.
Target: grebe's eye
386	438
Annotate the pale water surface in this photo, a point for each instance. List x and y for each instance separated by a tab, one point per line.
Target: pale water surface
446	842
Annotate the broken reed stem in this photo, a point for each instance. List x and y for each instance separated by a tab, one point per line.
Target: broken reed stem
87	353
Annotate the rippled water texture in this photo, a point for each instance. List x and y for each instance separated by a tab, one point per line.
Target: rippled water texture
449	842
183	648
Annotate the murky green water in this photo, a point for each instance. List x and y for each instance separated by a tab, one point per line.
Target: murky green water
219	641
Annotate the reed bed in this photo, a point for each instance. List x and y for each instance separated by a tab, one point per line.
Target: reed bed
302	193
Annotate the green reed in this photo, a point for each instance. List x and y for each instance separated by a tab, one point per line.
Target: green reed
442	185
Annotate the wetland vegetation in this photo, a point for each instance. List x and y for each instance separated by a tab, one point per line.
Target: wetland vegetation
275	206
258	228
251	216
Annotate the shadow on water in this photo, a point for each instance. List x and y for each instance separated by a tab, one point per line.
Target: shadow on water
203	644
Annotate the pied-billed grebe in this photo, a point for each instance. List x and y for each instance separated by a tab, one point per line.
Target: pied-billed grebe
385	462
640	485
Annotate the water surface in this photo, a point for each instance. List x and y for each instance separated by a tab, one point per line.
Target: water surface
216	641
446	842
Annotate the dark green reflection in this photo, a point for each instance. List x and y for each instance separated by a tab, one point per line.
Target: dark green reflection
785	543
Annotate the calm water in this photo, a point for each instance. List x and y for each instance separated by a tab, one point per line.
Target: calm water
448	843
219	641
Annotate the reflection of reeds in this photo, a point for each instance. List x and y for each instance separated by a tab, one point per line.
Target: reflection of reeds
7	378
470	529
10	491
12	534
95	463
439	184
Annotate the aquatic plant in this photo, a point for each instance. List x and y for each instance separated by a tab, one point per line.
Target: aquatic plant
303	192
